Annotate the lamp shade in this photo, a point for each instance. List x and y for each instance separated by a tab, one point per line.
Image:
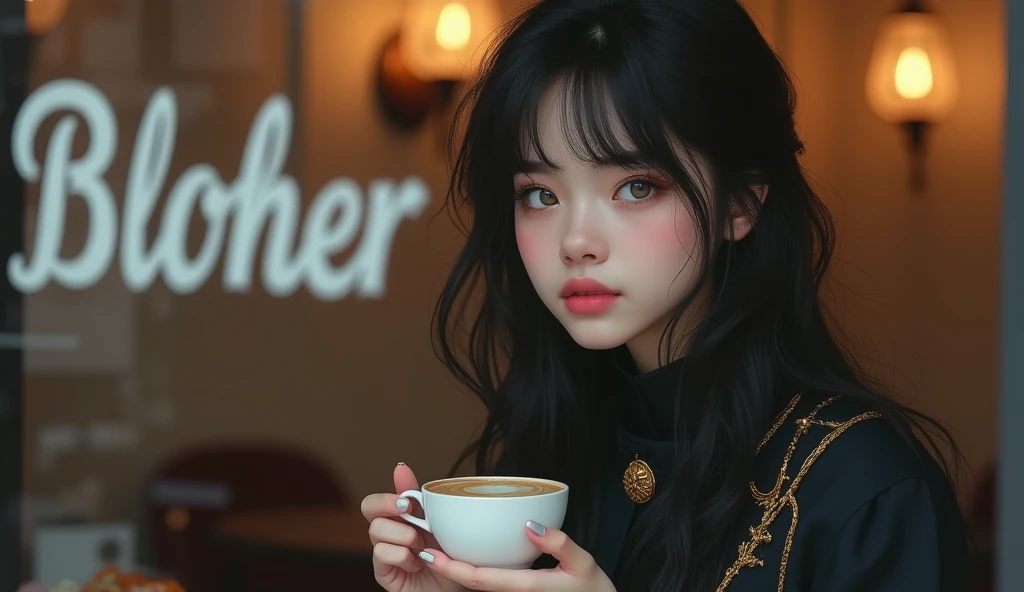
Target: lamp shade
912	74
445	39
43	15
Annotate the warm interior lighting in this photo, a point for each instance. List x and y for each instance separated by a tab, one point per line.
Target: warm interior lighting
445	39
41	16
454	27
914	78
911	79
439	44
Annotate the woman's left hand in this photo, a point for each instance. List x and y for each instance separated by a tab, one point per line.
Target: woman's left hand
576	572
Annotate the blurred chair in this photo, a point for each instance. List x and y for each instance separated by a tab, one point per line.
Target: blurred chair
197	486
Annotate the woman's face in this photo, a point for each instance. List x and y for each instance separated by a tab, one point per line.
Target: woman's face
610	250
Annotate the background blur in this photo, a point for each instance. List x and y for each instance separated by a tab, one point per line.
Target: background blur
117	385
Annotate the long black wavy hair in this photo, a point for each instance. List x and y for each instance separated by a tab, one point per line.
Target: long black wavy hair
687	81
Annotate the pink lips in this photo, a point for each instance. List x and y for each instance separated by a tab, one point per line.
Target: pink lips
585	296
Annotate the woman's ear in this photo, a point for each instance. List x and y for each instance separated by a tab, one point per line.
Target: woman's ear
741	222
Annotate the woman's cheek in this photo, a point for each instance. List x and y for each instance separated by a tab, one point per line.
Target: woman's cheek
661	257
530	239
663	240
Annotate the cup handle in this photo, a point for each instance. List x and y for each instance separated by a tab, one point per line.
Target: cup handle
418	496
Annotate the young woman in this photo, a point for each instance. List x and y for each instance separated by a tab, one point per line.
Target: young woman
638	305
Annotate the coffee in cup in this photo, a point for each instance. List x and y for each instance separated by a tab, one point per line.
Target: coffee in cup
481	520
493	487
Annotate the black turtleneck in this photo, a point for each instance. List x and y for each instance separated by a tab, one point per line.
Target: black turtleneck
646	410
647	401
875	513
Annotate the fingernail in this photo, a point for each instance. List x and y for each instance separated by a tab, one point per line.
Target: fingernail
401	464
402	504
426	556
536	527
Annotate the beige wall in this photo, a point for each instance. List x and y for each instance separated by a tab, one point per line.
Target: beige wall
356	380
923	269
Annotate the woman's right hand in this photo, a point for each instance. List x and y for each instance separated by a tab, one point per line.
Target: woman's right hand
396	543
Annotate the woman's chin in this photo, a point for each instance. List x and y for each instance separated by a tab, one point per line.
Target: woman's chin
589	338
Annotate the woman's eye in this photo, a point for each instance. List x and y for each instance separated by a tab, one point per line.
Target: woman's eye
635	191
541	198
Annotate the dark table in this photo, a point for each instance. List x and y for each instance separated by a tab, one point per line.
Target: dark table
321	546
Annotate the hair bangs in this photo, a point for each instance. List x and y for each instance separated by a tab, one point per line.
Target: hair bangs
607	115
601	123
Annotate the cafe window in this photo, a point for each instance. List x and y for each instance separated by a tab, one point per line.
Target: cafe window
223	237
224	263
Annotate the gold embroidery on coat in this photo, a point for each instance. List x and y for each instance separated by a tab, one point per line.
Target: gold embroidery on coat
775	500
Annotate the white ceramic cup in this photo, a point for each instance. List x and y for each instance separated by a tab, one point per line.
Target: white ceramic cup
488	531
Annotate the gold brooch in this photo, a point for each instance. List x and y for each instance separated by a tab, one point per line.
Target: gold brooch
638	481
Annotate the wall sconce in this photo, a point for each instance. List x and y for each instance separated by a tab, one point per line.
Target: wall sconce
439	44
911	80
41	16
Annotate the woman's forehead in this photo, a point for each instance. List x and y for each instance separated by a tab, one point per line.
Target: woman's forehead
570	126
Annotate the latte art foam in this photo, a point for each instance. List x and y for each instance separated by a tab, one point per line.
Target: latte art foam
493	487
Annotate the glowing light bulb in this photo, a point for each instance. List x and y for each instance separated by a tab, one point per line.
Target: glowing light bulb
913	74
446	39
41	16
454	27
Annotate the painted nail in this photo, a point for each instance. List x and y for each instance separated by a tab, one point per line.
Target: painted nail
426	556
536	527
402	504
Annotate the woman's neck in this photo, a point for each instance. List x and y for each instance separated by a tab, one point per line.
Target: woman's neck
645	347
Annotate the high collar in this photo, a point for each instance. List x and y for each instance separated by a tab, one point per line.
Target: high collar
647	400
645	405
